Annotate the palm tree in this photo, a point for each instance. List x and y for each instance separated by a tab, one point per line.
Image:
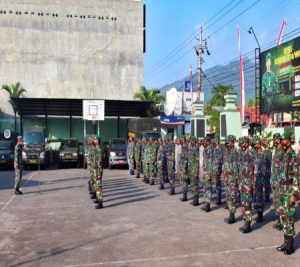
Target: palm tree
152	95
14	91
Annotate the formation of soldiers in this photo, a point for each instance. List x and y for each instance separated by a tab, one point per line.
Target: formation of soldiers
248	169
95	170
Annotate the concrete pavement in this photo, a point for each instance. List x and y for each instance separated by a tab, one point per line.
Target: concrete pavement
139	226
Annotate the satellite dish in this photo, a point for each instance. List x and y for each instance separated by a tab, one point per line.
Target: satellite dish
171	97
7	133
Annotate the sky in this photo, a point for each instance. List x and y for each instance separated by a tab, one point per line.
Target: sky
173	25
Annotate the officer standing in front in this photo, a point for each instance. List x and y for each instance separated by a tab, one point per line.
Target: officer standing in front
18	165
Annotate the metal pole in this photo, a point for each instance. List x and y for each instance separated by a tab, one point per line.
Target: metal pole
200	50
84	128
39	161
98	128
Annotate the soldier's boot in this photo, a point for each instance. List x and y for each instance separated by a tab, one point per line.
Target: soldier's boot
246	228
132	172
93	195
147	181
195	201
219	201
260	217
99	205
206	207
230	219
162	186
184	197
172	191
278	225
137	175
16	192
289	247
282	247
19	191
152	182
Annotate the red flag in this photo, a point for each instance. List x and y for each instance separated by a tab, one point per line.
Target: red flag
242	84
281	32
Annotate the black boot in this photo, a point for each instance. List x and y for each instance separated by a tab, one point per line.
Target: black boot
172	191
132	172
278	225
147	181
137	175
96	201
161	187
19	191
184	197
152	182
289	247
260	217
195	201
246	228
206	208
16	192
93	195
283	246
230	219
100	205
218	202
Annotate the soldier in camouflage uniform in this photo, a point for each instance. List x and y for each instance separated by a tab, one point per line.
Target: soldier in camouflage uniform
18	165
246	173
165	167
137	157
143	157
207	173
183	168
259	161
290	178
146	161
170	157
159	163
152	160
217	162
230	176
267	169
131	145
193	169
89	160
98	164
276	178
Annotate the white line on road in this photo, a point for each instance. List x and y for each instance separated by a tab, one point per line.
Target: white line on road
171	258
13	196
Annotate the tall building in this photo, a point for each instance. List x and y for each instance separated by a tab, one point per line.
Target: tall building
71	48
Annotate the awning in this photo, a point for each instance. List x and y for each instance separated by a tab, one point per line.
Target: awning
73	107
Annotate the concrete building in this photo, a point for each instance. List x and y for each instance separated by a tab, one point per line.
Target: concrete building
91	49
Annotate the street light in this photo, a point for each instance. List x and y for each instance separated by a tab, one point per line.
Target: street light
251	31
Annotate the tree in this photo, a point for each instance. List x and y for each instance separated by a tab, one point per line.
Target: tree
251	103
14	91
152	95
217	100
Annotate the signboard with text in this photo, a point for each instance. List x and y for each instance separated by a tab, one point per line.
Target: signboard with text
93	110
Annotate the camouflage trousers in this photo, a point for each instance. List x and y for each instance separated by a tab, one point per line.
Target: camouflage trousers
194	176
18	177
138	166
286	212
183	175
267	186
131	163
207	182
160	174
171	173
98	189
231	187
246	199
276	194
259	193
216	184
151	170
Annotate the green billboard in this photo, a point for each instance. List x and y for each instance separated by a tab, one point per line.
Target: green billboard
280	78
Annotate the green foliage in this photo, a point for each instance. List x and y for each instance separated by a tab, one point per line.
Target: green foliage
217	100
14	91
152	95
251	103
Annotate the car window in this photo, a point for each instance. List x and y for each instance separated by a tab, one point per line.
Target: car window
68	143
118	146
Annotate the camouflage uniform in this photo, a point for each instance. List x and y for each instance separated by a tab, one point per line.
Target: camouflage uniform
276	179
131	156
170	157
143	160
165	167
183	168
217	162
207	172
193	168
246	172
159	163
89	160
267	173
98	165
152	160
146	161
230	176
137	157
18	167
290	178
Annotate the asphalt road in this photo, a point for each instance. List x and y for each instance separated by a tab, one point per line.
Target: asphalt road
56	224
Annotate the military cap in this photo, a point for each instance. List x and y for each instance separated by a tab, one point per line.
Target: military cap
255	139
19	137
268	57
207	138
230	138
276	136
287	135
98	138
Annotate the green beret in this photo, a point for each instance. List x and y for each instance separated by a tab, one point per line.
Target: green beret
230	138
98	138
287	135
276	136
268	56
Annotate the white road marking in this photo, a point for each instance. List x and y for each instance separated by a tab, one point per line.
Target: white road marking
171	258
13	196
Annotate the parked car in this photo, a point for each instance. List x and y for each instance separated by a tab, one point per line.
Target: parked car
117	152
7	153
69	152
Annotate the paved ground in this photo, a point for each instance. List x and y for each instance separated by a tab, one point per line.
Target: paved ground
139	226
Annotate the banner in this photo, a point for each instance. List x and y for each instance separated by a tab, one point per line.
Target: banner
280	78
187	86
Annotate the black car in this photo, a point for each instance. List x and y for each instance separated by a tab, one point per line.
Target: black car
117	152
7	153
69	152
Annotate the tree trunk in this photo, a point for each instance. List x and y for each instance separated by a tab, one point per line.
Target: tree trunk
15	121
